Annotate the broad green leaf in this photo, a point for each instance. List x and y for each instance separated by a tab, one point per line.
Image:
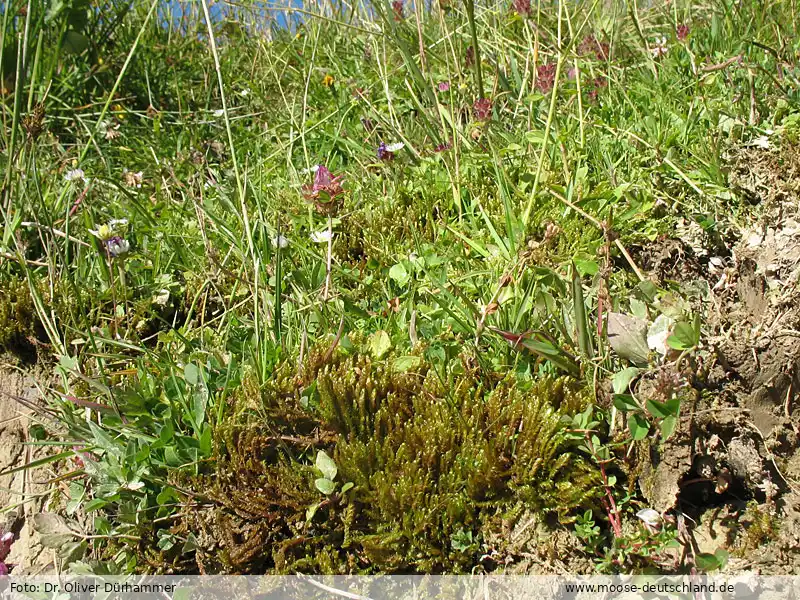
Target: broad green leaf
626	403
663	410
706	561
399	274
622	379
380	344
639	427
326	465
403	364
347	486
325	485
668	426
191	374
684	336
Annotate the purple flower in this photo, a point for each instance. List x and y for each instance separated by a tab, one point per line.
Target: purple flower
443	147
522	7
482	109
469	57
545	77
386	152
591	45
325	191
6	541
397	7
444	86
117	246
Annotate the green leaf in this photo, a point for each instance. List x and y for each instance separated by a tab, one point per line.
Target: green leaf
75	42
639	427
380	344
95	504
706	561
347	486
399	274
668	426
403	364
325	485
626	403
622	379
581	322
326	465
311	511
191	374
684	336
53	529
670	408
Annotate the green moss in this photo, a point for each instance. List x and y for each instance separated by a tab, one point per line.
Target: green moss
432	467
17	314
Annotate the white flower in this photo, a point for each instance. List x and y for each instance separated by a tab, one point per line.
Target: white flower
323	236
658	333
113	223
219	112
162	297
310	170
102	232
75	175
132	179
279	241
117	246
650	517
395	147
660	47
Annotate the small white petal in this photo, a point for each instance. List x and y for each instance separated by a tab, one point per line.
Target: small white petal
75	175
322	236
117	223
649	516
279	241
658	333
313	169
162	297
395	147
219	112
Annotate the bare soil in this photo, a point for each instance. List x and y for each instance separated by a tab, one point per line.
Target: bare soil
22	493
733	465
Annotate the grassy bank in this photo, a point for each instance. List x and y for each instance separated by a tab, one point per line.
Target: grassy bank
399	290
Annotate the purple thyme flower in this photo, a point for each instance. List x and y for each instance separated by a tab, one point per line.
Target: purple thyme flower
482	109
325	190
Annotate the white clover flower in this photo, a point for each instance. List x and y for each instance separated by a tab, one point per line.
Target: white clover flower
660	47
117	246
279	241
75	175
321	237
